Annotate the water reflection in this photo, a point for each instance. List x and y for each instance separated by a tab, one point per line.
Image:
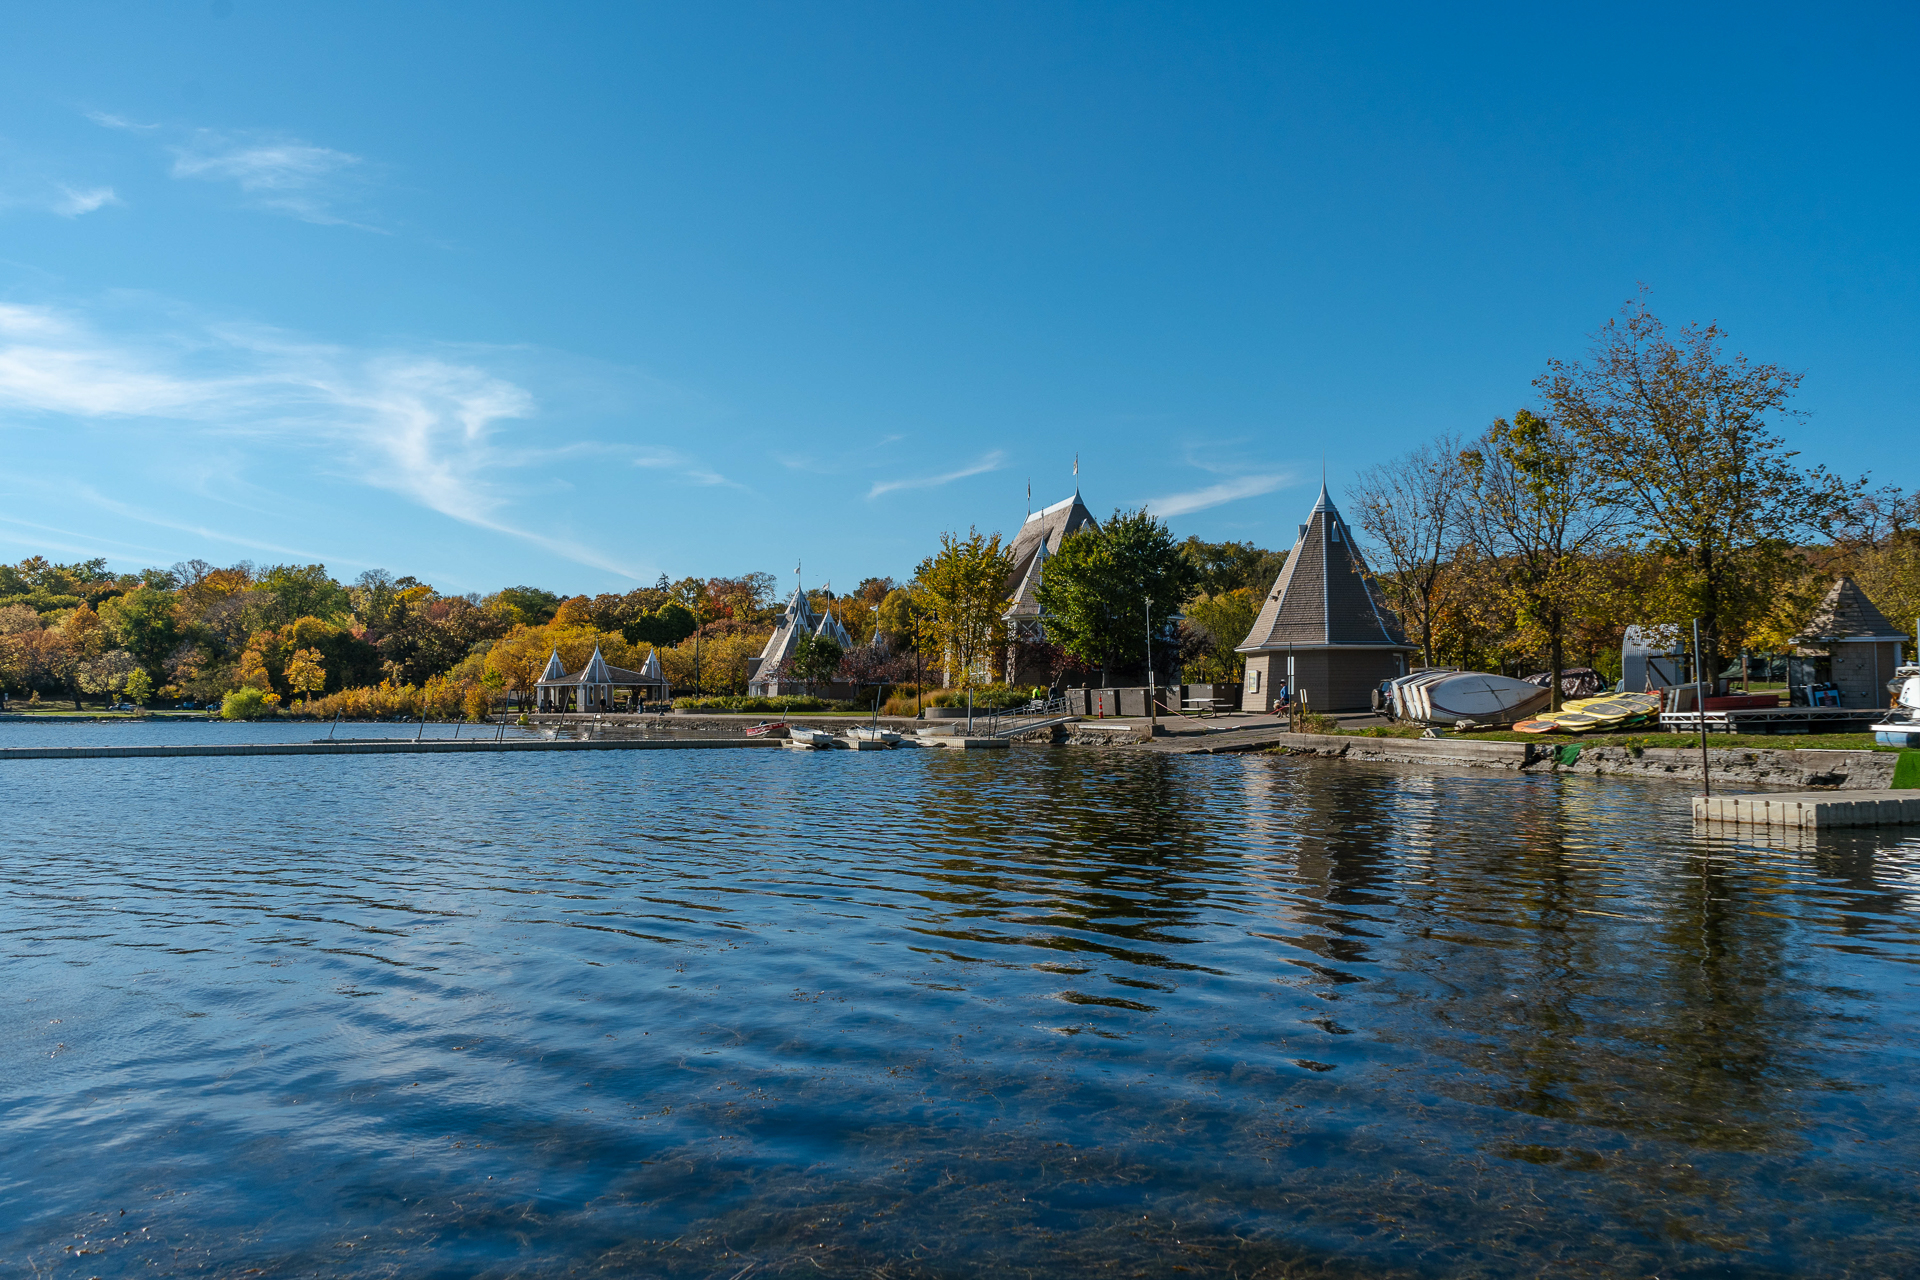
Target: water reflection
942	1013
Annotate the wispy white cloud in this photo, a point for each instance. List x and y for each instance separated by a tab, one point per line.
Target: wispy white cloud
993	461
422	425
689	468
54	197
74	201
275	172
1214	495
108	120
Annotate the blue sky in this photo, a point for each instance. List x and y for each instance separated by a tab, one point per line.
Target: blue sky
576	295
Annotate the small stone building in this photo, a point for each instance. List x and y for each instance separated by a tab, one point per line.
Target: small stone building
1849	643
1322	630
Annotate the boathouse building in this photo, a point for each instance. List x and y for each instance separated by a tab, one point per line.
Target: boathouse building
1848	647
1322	630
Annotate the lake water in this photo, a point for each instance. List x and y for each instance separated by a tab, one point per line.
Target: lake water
1037	1012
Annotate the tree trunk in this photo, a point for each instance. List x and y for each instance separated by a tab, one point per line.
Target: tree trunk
1557	657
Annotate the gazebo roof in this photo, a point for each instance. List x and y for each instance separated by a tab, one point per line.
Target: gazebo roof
1324	596
1847	615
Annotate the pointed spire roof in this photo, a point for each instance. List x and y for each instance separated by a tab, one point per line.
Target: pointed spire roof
595	672
651	667
829	627
1324	597
1026	597
1046	529
1847	614
555	669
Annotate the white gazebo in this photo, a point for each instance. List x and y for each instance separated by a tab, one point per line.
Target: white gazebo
592	687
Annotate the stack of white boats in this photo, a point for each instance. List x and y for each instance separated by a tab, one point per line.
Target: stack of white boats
1901	726
1445	696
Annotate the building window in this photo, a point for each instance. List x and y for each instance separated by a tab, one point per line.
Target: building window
1253	681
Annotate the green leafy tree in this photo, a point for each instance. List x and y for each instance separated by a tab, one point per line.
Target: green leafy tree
664	628
1215	625
816	659
145	624
524	606
304	591
1711	495
1223	567
1107	589
962	593
139	687
1542	514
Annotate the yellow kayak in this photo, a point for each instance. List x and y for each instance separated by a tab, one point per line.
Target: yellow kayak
1583	715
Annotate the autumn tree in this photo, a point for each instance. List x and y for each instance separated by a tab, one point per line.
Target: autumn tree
1409	509
1689	437
1541	514
306	672
962	591
1215	626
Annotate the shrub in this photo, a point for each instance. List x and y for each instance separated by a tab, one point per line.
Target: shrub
991	697
776	705
1314	722
246	703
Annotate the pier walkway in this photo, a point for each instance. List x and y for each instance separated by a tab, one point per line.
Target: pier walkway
380	747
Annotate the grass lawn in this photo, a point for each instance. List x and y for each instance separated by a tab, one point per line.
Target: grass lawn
1629	738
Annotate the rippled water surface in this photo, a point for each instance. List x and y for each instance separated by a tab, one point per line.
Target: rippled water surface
1046	1012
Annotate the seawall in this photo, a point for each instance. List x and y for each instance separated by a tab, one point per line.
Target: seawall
1767	767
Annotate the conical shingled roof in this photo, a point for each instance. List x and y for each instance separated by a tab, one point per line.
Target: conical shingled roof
1847	614
555	668
651	667
1324	596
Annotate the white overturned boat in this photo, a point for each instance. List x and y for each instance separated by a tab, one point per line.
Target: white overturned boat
1447	697
1901	726
809	738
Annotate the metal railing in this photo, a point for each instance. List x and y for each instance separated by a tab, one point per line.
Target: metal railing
1005	724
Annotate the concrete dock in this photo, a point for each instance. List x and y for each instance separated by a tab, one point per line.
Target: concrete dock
380	747
1812	810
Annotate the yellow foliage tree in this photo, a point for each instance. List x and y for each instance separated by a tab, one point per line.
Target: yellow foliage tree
307	672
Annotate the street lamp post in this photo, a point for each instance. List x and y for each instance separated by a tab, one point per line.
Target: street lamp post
1153	696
